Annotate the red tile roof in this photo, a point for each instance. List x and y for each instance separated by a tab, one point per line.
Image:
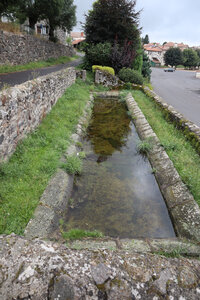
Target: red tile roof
77	42
154	49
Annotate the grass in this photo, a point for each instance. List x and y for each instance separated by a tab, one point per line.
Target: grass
145	146
37	64
25	176
77	234
183	155
10	27
175	253
73	165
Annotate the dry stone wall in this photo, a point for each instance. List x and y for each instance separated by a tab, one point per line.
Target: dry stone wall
21	49
106	79
23	107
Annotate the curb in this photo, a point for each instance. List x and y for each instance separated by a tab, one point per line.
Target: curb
183	209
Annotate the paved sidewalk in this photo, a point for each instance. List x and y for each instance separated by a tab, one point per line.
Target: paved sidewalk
12	79
180	89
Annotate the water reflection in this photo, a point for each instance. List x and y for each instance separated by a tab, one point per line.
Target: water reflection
117	193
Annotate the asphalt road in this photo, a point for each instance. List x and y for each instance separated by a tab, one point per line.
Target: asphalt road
181	89
12	79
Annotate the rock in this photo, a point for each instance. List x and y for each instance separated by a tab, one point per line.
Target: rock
160	284
100	273
62	289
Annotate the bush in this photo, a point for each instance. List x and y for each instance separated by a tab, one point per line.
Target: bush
98	54
105	69
129	75
122	56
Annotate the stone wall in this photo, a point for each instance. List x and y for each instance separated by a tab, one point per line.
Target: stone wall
21	49
23	107
40	270
106	78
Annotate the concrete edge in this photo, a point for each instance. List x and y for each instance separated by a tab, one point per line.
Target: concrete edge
55	198
183	209
157	246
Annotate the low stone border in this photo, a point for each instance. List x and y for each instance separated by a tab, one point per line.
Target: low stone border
39	270
183	209
191	131
55	198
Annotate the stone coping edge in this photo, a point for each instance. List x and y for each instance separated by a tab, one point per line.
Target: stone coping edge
54	200
190	130
183	209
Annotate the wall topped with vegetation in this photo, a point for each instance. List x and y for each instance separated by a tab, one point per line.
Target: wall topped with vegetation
23	107
18	49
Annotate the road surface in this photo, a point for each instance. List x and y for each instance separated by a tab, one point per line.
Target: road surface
12	79
181	89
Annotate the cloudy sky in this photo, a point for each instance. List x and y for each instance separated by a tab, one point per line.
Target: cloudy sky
171	20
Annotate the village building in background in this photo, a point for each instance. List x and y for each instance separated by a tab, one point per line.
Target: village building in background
77	38
156	51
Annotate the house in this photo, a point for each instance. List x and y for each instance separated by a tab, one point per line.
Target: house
156	51
41	29
155	54
77	38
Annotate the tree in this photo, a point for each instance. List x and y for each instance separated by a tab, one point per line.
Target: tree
198	53
59	13
110	20
145	40
146	68
6	6
122	57
173	57
190	58
28	9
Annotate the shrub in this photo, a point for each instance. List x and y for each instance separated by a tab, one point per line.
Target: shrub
129	75
98	54
105	69
122	57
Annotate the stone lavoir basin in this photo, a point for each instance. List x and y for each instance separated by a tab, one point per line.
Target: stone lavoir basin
117	192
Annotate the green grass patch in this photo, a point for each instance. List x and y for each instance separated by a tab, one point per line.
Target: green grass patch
77	234
37	64
74	165
183	155
24	178
145	146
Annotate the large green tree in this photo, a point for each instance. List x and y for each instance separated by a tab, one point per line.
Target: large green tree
173	57
28	9
190	58
111	20
59	13
7	6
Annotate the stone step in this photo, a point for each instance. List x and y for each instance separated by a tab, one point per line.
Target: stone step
173	247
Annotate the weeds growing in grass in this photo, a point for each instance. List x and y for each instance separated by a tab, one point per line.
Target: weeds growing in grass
82	155
77	234
145	146
175	253
79	144
73	165
183	155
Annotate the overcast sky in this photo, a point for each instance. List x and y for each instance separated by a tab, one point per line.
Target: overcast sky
170	20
